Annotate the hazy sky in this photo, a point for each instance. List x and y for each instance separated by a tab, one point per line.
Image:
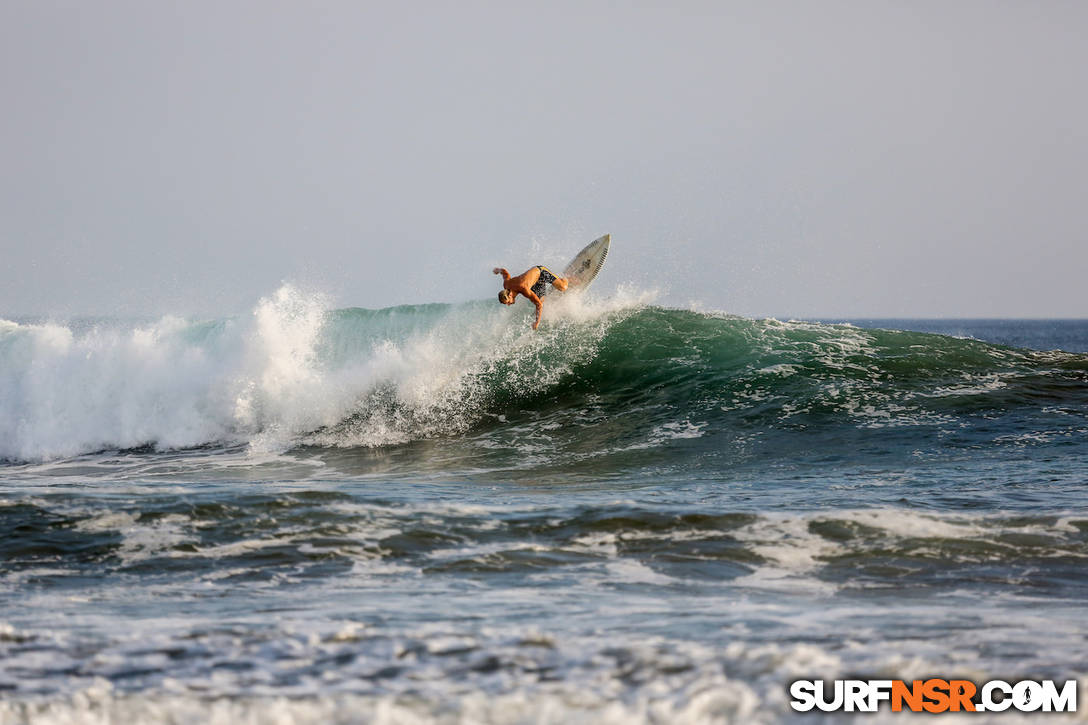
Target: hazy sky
765	158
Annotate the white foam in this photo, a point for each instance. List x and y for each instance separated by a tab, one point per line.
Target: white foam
631	571
972	385
141	540
599	675
675	430
641	680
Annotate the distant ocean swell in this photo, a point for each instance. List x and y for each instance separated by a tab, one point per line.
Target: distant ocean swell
604	376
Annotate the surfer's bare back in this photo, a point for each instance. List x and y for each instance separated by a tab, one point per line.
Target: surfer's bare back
532	284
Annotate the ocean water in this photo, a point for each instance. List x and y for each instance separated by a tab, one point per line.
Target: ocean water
432	514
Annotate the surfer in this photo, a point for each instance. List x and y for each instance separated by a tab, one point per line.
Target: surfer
532	284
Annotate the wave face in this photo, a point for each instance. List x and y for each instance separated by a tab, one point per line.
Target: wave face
604	380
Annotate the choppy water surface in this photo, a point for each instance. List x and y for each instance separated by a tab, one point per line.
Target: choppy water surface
635	514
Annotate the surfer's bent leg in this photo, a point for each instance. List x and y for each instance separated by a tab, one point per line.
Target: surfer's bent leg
560	283
546	278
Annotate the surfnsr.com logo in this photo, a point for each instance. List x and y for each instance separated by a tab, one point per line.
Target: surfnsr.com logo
934	695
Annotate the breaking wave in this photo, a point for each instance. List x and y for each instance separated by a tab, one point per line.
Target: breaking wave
618	374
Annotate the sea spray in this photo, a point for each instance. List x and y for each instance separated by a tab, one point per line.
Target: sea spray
63	393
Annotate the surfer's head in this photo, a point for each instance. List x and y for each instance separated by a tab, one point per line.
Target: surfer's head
506	297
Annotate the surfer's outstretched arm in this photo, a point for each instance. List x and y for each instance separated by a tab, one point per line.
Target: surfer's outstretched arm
539	307
502	271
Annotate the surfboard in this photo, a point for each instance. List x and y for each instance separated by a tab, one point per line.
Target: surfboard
587	263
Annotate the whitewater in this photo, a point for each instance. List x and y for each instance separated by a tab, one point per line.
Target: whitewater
289	369
431	513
